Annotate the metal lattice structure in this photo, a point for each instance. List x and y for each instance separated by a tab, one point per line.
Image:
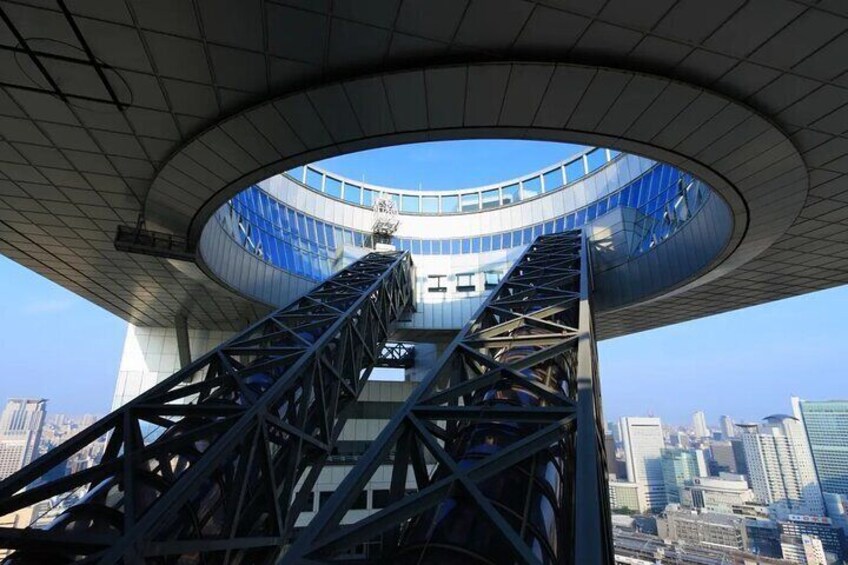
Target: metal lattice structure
397	356
214	464
502	443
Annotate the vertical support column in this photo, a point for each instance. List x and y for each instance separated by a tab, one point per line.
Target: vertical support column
592	531
183	344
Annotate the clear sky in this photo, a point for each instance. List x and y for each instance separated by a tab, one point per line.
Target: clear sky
746	363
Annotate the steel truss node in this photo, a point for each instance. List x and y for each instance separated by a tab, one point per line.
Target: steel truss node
397	356
220	458
498	456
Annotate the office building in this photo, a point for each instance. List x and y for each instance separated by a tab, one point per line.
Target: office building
728	429
727	457
625	496
724	494
780	467
643	446
717	531
680	466
20	433
699	425
826	423
795	527
609	450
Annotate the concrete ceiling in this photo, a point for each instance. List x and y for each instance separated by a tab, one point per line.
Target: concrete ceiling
109	108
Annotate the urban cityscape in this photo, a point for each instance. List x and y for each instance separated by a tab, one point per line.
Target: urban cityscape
423	282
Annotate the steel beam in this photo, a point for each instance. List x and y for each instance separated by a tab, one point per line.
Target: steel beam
206	466
498	456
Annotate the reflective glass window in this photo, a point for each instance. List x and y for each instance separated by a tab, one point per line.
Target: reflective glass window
352	193
531	187
475	245
410	204
511	194
430	204
591	213
425	246
537	230
470	202
436	283
614	154
333	187
602	207
367	197
348	237
446	247
393	197
491	199
553	179
450	204
358	239
314	179
528	236
331	242
580	218
320	233
549	228
416	246
574	170
560	224
516	238
296	173
569	222
455	246
596	159
487	243
491	279
310	228
465	282
496	242
466	245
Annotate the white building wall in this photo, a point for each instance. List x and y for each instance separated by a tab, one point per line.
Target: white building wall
150	355
643	445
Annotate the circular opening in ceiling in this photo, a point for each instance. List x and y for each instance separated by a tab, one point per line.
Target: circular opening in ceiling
466	210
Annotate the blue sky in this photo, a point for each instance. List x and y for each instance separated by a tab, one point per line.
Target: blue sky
747	363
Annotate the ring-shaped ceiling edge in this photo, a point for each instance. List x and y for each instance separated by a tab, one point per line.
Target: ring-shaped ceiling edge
739	153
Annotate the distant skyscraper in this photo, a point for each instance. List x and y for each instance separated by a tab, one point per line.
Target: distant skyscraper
609	445
20	433
781	468
699	422
826	424
643	445
727	457
679	466
728	429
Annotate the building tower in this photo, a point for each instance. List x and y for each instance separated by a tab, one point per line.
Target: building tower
826	424
679	466
781	467
699	423
20	433
728	428
643	446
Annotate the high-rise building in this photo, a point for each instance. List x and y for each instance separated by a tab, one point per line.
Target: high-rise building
643	445
781	468
717	531
826	424
716	494
728	429
20	433
680	466
795	527
727	457
699	423
609	448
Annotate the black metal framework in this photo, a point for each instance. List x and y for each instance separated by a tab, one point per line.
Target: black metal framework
220	458
498	456
136	239
397	356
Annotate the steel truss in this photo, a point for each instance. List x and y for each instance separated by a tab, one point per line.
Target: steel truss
503	441
219	459
397	356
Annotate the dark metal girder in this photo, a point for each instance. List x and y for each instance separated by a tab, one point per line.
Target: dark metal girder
229	438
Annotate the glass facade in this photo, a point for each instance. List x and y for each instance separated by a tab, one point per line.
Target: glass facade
664	196
826	423
460	202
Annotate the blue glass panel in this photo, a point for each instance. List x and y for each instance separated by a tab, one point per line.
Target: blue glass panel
296	173
528	236
592	212
602	207
496	242
416	246
455	246
487	243
339	235
450	204
516	238
475	245
569	222
511	194
367	197
348	237
410	204
425	246
596	159
331	241
553	179
560	224
491	199
352	193
471	202
321	233
446	247
537	230
531	187
430	204
580	219
333	187
574	170
358	239
549	228
313	179
466	245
